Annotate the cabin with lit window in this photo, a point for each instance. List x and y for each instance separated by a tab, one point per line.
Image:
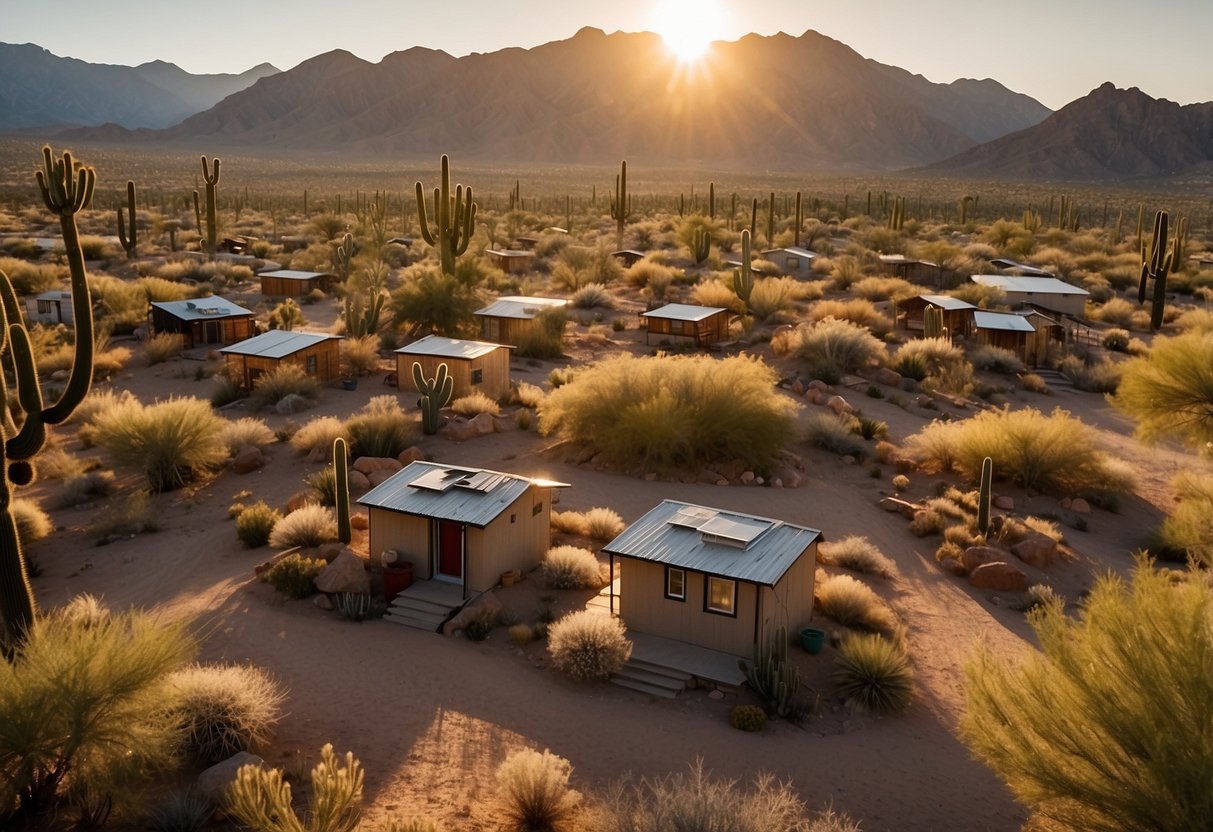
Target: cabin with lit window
292	283
475	366
703	325
317	354
210	320
509	319
713	578
461	526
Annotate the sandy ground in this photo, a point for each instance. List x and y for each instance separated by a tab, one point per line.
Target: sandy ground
431	717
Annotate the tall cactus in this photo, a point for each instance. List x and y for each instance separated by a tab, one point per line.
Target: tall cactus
621	203
65	190
712	200
984	495
454	219
341	488
743	278
342	256
1155	265
932	323
799	222
129	242
771	676
435	395
210	176
771	220
701	244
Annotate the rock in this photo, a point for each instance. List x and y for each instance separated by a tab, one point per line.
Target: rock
59	375
323	602
798	387
716	695
300	499
1004	502
247	460
818	384
320	453
502	424
328	552
788	478
486	604
953	567
347	573
976	556
359	482
1080	506
777	483
293	403
213	782
707	475
747	477
813	396
839	405
999	576
360	521
367	464
906	510
1036	549
410	455
462	431
378	477
886	376
483	425
1065	503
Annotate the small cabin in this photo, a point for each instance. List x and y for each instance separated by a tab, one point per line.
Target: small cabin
1027	334
461	525
792	260
628	257
210	320
510	261
714	578
1010	266
507	320
1046	292
318	355
703	325
292	283
957	314
915	271
473	365
51	308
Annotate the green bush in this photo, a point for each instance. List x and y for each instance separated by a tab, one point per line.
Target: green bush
673	413
857	554
324	483
830	348
180	812
534	791
1188	531
588	646
171	441
568	567
1100	376
592	296
381	429
1170	391
429	301
474	404
255	524
1116	339
224	709
831	432
545	338
875	673
924	357
294	576
995	359
852	603
747	718
307	526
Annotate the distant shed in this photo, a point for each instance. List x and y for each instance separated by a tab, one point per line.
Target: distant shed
792	260
1027	334
212	320
507	320
1045	292
291	283
702	324
317	354
51	308
957	314
509	261
473	365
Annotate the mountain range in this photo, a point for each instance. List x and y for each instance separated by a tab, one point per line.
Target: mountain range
761	102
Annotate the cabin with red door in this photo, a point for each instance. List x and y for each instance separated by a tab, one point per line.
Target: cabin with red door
459	525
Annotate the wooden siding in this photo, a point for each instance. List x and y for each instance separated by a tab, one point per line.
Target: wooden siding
1071	305
505	330
708	331
958	321
1031	347
226	330
407	534
494	367
327	365
280	287
517	539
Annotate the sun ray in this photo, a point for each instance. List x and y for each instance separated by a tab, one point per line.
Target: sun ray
688	27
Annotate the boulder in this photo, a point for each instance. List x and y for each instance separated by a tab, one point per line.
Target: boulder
347	573
247	460
59	375
483	424
367	464
813	395
323	602
1036	549
1004	502
999	576
486	604
462	431
787	477
359	482
839	405
886	376
818	384
300	499
1080	506
378	477
747	477
976	556
410	455
906	510
359	521
798	387
213	782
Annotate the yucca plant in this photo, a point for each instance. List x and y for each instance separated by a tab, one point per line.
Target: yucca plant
875	673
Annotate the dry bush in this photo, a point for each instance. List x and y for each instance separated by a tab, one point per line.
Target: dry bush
588	646
592	296
852	603
603	524
716	294
1188	531
1170	390
246	431
546	338
285	380
857	554
570	522
984	297
570	567
874	673
534	791
310	525
1034	383
772	296
830	348
857	311
1117	311
32	278
32	522
1200	320
382	428
360	356
475	403
1098	376
831	432
223	709
171	441
643	273
318	433
529	395
255	524
885	288
844	271
925	357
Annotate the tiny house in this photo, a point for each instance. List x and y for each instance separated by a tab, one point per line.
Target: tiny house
291	283
510	261
792	260
1027	333
473	365
210	320
704	325
1045	292
957	314
51	308
507	320
317	354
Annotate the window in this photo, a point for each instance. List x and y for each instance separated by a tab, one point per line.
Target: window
792	263
675	583
538	508
311	365
477	376
721	596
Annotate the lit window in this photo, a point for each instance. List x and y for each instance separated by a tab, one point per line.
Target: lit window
722	596
675	584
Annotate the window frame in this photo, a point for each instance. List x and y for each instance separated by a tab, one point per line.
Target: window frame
731	612
669	594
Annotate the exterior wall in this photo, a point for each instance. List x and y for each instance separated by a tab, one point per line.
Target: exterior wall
504	330
327	354
280	287
511	264
792	265
790	602
494	367
408	535
1071	305
708	331
517	539
49	311
226	330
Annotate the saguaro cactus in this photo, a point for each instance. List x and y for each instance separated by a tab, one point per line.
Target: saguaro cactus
701	244
984	494
799	221
454	219
65	191
128	241
743	278
341	483
1155	265
932	322
210	175
621	203
435	395
771	676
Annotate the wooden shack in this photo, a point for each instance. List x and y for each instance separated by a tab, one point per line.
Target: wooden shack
510	261
210	320
51	308
1027	333
957	314
507	320
475	366
704	325
317	354
291	283
1046	292
792	260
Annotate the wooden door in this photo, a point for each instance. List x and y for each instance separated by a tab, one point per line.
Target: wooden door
450	550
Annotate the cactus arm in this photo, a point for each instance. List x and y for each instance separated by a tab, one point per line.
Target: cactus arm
129	243
341	476
425	224
984	495
32	436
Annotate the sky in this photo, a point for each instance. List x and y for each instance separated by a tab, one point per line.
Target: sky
1053	50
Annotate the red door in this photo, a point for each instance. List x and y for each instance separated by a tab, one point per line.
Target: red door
450	549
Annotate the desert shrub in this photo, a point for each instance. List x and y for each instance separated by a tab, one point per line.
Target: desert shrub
180	812
529	395
1116	339
318	433
324	483
858	311
747	718
1057	452
1200	320
246	431
521	634
309	525
226	391
852	603
874	673
171	442
534	791
284	380
900	483
569	567
163	346
845	271
925	356
773	296
588	646
1095	377
381	429
569	522
545	339
830	348
832	433
360	356
1038	595
82	716
98	401
32	522
1034	383
1170	391
995	359
592	296
473	404
603	523
714	293
255	524
356	606
294	575
673	413
857	554
1117	311
32	278
259	799
132	515
1188	530
1124	748
642	273
885	288
223	709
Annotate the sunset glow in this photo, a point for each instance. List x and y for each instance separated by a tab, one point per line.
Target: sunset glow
688	27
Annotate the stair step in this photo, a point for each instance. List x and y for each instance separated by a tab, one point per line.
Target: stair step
642	687
659	680
420	622
659	670
435	608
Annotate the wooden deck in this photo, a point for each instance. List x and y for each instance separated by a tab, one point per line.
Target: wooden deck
700	662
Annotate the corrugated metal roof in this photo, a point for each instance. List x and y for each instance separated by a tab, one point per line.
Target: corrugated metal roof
277	343
793	250
293	274
894	259
519	307
436	345
451	492
1007	321
683	312
947	302
202	309
55	295
1028	285
724	543
509	252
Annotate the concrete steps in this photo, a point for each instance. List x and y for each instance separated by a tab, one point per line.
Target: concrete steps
421	613
653	679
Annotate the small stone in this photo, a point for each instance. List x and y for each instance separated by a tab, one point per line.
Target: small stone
482	424
1004	502
323	602
1080	506
839	405
410	455
213	782
716	695
747	477
798	387
247	460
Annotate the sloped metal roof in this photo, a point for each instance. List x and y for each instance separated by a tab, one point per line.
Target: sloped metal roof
684	312
458	493
436	345
793	250
202	309
293	274
1022	268
519	307
947	302
728	544
277	343
1028	285
1007	321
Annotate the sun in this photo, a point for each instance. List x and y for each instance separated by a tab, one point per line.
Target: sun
688	27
